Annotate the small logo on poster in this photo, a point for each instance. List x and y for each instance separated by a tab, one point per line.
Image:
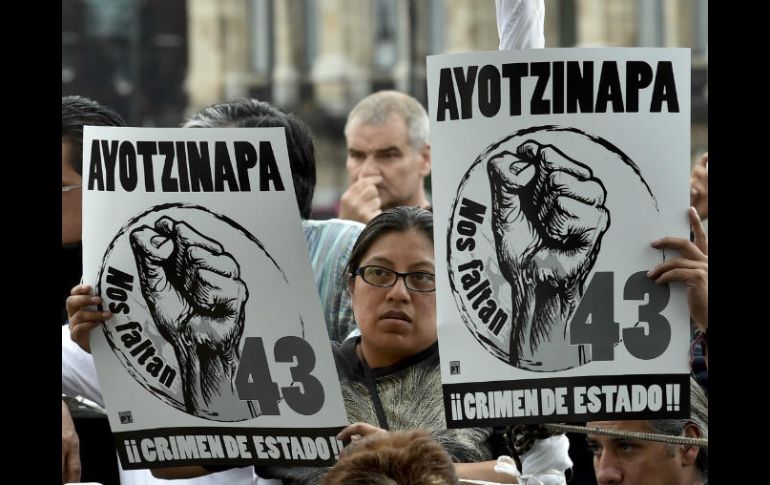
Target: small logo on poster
454	367
125	417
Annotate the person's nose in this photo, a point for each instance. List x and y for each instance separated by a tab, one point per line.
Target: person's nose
399	291
370	166
607	470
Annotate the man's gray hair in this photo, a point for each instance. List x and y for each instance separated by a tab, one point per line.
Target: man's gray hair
377	108
699	416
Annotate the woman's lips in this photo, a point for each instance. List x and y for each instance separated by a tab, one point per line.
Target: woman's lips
396	315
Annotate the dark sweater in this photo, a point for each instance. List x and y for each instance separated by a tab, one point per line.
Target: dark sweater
410	394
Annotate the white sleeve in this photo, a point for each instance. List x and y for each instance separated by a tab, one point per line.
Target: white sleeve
520	24
78	378
234	476
78	372
547	461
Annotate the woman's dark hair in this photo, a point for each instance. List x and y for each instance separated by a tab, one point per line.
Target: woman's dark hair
398	219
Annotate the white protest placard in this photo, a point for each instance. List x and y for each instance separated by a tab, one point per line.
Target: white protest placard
554	171
217	352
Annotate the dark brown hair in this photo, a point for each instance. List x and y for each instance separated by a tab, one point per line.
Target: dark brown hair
394	458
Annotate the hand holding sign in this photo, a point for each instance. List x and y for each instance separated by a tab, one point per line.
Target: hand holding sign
692	268
548	218
196	297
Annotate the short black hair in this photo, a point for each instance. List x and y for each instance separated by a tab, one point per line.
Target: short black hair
248	112
77	112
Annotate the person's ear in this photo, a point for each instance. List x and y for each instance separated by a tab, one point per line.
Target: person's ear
351	284
426	160
690	453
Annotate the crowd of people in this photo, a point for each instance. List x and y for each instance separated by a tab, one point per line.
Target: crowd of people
374	269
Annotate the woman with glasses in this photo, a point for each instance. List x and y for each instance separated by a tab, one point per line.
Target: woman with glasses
390	374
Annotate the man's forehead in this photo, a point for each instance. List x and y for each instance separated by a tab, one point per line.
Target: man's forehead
637	426
362	119
393	131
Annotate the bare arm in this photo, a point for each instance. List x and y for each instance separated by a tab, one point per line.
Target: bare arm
483	470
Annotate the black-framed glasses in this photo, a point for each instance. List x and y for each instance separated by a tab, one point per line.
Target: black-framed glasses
385	278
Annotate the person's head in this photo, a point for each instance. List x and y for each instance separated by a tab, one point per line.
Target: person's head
77	112
250	113
628	461
387	135
394	458
396	319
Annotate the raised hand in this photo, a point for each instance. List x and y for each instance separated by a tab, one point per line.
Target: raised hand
548	219
81	318
692	268
356	431
191	285
196	297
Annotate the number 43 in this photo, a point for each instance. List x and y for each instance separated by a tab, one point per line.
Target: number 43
254	382
594	320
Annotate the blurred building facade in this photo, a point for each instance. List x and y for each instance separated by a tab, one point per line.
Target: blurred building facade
159	60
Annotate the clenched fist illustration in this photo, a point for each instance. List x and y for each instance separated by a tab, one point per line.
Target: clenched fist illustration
548	219
196	297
